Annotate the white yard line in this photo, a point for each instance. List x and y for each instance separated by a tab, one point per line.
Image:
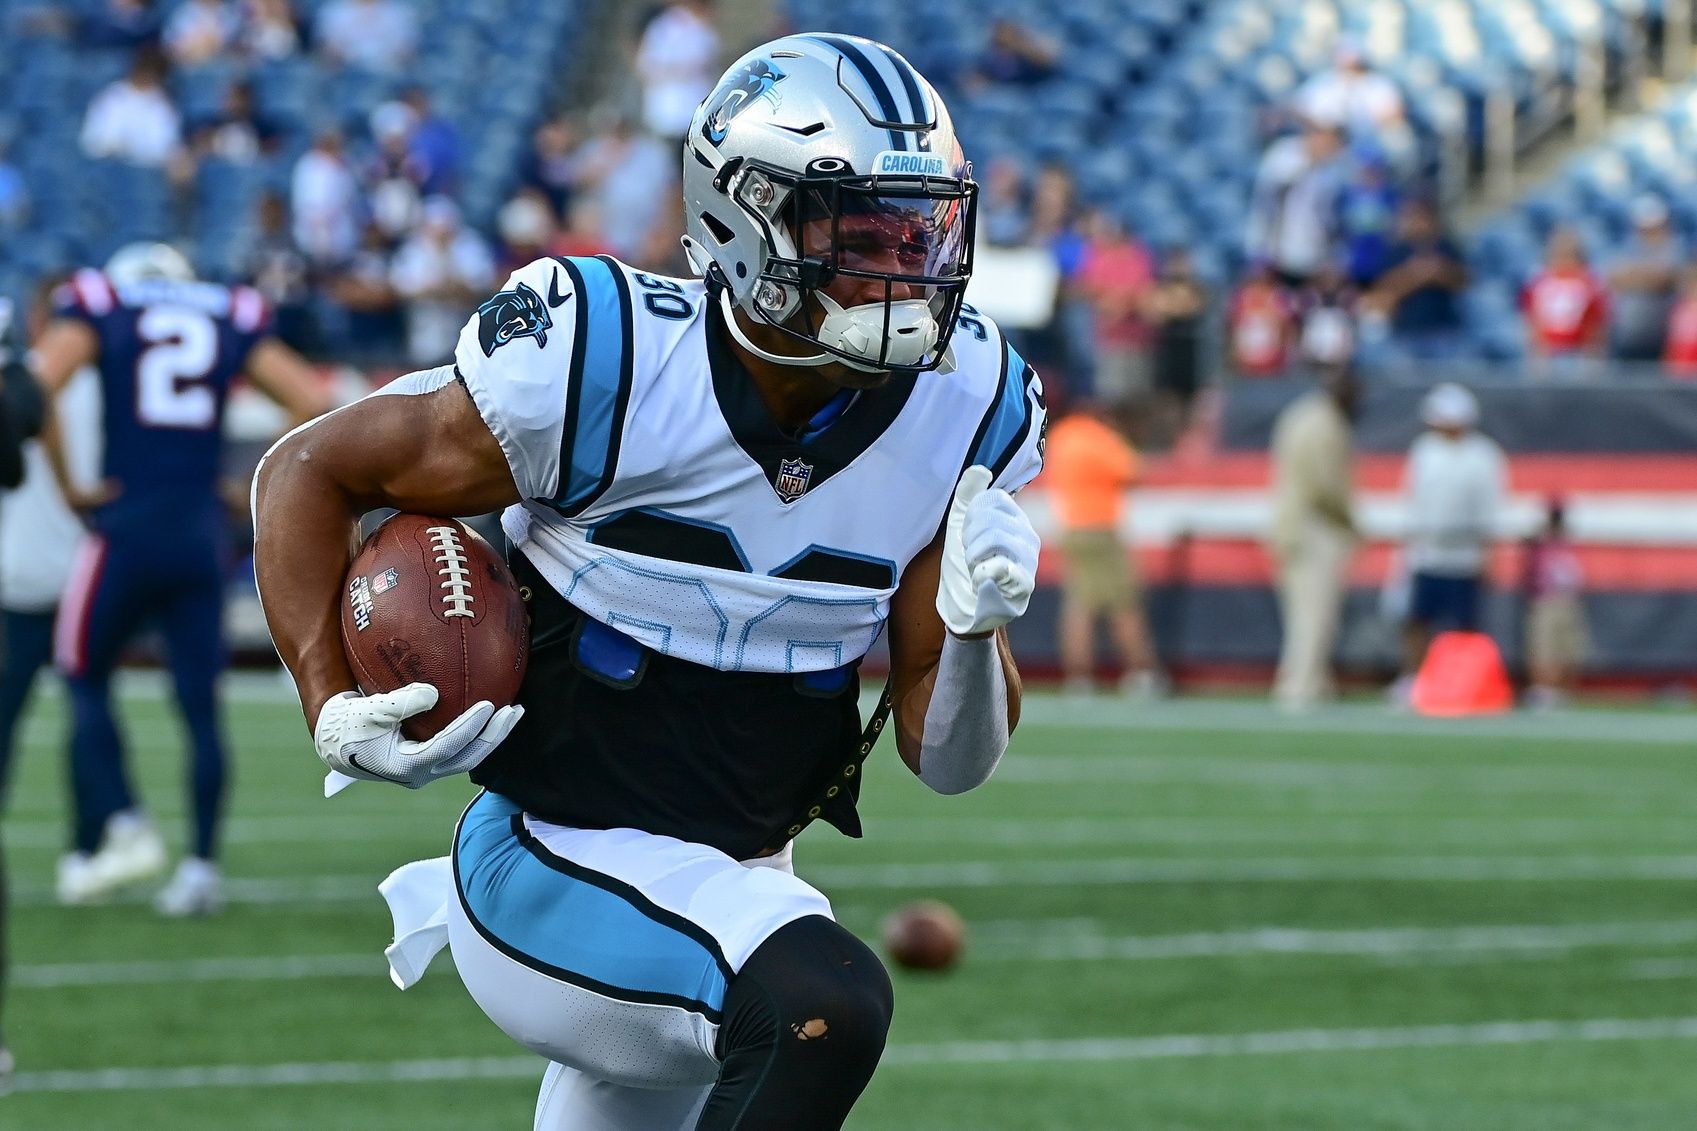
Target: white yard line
1105	712
1333	778
1392	942
1178	1046
1662	969
1085	872
945	828
1040	940
1108	871
186	970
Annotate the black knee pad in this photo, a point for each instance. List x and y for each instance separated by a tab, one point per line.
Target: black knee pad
804	1025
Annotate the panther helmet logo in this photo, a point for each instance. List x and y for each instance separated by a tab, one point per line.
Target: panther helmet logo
737	93
508	315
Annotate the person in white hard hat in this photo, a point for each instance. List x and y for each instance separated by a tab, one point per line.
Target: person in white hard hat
1453	488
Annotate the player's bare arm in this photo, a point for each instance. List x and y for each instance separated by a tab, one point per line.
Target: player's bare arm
429	453
287	379
65	346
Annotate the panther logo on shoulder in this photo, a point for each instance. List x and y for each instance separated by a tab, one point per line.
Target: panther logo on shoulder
507	315
737	93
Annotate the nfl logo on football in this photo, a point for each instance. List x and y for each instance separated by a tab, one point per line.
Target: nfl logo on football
793	475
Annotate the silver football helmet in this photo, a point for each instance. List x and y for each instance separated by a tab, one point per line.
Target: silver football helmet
138	262
820	157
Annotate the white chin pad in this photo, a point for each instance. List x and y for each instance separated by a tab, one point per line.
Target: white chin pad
859	330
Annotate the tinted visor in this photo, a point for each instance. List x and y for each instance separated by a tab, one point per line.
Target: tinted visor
918	234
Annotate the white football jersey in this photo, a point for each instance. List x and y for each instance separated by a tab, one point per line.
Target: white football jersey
662	499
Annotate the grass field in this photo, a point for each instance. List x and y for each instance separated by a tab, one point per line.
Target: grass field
1199	915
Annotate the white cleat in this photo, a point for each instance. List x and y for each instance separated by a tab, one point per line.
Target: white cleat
131	852
75	882
195	889
7	1066
1145	685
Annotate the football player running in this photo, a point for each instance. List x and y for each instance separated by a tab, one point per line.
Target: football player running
719	492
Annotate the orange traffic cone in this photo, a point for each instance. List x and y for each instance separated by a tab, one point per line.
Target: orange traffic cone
1463	675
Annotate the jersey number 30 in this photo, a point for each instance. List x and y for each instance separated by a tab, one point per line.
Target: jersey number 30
181	346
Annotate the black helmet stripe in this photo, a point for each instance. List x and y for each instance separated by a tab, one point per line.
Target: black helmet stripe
856	58
924	113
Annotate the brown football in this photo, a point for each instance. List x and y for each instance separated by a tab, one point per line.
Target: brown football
428	601
926	935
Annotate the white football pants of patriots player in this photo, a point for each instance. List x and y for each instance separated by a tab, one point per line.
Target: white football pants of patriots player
719	492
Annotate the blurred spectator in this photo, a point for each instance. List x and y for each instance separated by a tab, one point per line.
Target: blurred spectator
527	230
662	251
389	175
14	193
1176	307
1567	312
629	175
364	312
1089	467
1313	534
433	149
441	273
1453	488
1367	217
1293	209
1002	216
1416	299
326	202
268	30
1258	325
1115	279
280	273
551	164
1555	617
1065	347
1681	357
198	30
374	35
133	120
120	23
677	61
1643	282
1363	102
582	232
1016	55
237	134
1325	312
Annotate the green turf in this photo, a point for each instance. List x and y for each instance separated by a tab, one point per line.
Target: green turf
1188	825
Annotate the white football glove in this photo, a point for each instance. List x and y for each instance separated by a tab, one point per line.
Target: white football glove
989	558
359	736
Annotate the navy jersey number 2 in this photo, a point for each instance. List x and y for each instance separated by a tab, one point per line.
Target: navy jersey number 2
169	352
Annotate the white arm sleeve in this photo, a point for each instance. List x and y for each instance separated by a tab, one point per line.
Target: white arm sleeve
515	357
966	725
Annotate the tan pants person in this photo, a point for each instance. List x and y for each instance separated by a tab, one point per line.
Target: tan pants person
1311	587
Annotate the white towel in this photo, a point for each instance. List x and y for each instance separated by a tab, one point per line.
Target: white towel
418	895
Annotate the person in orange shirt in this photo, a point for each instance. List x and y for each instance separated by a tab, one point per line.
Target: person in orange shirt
1088	467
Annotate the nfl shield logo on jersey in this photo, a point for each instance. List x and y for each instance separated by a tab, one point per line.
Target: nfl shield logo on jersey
793	475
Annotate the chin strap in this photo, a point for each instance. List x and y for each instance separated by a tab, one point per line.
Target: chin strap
730	309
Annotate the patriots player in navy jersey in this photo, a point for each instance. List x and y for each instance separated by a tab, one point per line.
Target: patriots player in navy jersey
720	492
167	348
